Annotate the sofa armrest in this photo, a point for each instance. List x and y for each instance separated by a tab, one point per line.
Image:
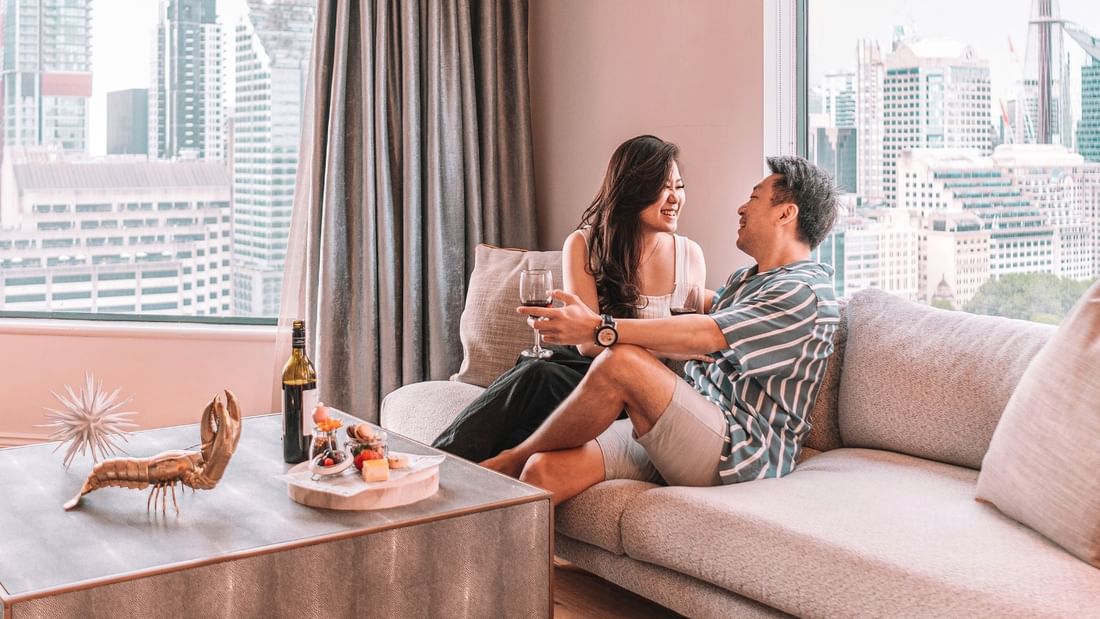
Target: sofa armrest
422	410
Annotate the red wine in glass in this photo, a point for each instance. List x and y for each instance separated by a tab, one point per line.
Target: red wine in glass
536	289
693	303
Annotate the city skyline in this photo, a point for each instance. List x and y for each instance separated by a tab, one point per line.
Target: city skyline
123	62
835	26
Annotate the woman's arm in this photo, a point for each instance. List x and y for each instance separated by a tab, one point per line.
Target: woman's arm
578	281
697	273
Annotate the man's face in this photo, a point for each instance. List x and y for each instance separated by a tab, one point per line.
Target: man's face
758	229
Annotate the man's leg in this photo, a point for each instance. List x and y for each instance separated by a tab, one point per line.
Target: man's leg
622	377
567	472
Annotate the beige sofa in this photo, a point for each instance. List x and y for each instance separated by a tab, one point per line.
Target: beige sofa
880	517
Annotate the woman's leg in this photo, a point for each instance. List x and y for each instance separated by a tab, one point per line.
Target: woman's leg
513	406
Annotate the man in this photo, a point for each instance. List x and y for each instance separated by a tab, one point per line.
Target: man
739	416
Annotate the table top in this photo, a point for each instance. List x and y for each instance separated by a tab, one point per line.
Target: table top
110	537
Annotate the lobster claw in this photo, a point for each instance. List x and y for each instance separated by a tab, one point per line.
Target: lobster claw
220	431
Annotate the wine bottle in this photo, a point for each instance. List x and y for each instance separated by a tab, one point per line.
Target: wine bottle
299	398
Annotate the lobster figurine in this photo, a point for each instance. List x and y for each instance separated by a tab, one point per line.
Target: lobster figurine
221	431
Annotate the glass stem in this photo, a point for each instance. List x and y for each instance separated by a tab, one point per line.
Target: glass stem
538	341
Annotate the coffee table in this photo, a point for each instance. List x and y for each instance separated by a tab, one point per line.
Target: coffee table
480	547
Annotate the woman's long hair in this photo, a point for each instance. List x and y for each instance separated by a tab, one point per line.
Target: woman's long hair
634	179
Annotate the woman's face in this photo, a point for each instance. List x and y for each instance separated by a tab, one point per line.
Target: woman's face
662	215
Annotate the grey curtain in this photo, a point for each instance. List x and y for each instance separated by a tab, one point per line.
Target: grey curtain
416	147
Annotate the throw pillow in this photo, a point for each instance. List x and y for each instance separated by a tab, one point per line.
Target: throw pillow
491	331
1042	463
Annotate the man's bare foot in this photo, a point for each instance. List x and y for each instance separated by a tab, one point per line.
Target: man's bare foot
508	462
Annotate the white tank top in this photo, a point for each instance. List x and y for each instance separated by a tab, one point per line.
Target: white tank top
661	306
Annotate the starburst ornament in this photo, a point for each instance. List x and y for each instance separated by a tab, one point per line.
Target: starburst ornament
89	420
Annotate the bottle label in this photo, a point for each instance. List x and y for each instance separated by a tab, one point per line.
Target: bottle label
309	402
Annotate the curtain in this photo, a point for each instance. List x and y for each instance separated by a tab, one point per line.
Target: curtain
416	146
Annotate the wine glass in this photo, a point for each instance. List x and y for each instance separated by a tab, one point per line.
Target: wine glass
536	287
693	302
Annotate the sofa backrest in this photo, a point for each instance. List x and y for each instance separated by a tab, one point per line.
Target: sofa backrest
928	382
825	429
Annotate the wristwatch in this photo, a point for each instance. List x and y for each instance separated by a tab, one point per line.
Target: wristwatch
606	335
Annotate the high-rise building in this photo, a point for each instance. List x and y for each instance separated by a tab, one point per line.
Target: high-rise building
1045	88
936	95
953	256
128	122
273	46
113	234
935	181
1088	127
876	248
1053	179
46	73
185	101
834	150
870	74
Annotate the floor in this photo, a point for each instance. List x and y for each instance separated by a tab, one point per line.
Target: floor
580	595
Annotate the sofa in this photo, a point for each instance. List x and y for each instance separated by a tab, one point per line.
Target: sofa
880	517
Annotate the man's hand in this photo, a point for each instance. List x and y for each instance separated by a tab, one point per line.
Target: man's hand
574	323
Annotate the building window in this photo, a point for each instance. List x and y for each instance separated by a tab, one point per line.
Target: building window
122	158
932	129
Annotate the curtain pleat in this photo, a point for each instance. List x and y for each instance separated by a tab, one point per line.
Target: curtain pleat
416	147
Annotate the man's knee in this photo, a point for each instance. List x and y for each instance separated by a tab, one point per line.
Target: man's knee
623	363
540	469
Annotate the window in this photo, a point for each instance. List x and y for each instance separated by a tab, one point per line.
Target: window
160	175
966	185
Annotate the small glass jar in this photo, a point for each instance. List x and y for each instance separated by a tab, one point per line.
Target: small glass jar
325	454
374	447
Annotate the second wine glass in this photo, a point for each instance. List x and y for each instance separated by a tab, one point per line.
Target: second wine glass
536	288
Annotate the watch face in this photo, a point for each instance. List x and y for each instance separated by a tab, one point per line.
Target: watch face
606	336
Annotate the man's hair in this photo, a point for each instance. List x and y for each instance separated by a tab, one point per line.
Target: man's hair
812	189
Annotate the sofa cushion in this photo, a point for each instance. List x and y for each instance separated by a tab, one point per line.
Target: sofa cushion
856	532
929	382
825	427
1043	464
491	331
421	411
593	515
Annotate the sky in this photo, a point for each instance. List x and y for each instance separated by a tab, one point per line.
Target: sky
986	25
122	47
122	35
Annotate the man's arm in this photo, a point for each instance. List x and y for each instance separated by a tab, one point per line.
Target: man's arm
576	323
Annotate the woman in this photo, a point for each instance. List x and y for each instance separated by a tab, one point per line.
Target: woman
624	259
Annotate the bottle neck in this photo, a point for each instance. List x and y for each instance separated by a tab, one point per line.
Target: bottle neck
298	340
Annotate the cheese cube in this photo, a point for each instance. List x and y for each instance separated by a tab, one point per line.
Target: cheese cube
376	470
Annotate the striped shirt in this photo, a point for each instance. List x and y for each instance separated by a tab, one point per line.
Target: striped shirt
779	329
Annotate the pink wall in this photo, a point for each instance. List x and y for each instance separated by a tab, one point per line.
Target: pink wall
688	71
171	370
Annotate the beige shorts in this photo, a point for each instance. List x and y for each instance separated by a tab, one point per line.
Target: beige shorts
682	448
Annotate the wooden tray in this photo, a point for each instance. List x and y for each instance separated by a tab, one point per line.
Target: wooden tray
408	488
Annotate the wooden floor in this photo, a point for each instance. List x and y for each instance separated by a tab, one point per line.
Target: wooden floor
580	595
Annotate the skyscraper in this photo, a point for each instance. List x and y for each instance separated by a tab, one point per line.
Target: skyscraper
1045	88
128	122
870	73
273	46
1088	127
936	94
185	101
46	72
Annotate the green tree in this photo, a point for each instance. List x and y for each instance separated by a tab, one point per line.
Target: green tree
1040	297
